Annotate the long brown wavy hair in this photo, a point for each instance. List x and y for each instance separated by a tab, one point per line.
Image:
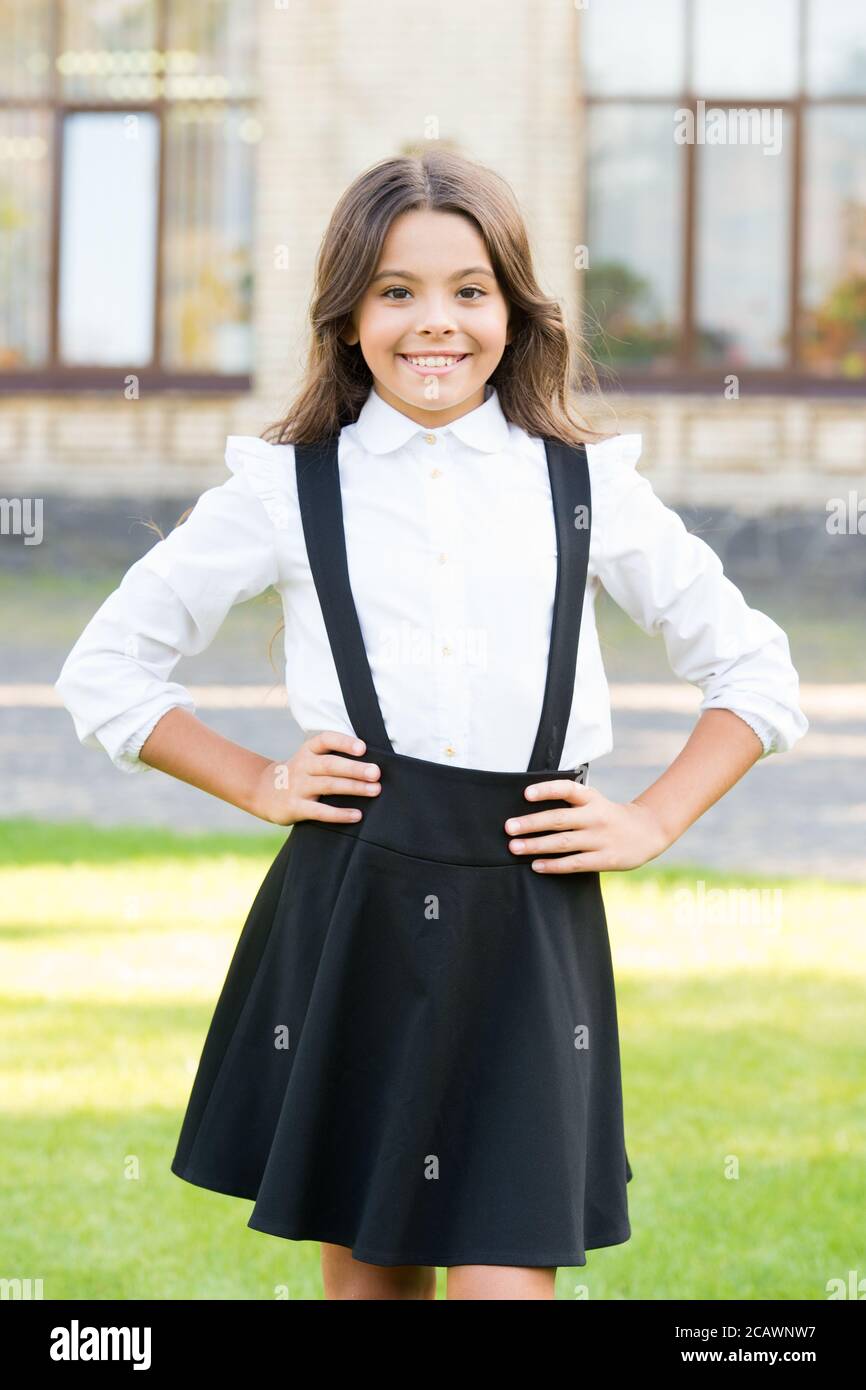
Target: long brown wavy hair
540	367
543	366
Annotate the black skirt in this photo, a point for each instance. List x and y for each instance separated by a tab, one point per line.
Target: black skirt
415	1053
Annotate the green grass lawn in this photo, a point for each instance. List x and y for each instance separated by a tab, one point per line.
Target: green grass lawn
741	1022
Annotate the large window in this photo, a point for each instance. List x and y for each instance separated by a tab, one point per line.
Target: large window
127	138
726	192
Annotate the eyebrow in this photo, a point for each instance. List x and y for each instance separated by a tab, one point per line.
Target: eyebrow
407	275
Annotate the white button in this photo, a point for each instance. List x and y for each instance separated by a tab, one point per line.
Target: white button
431	438
446	651
450	751
436	473
442	558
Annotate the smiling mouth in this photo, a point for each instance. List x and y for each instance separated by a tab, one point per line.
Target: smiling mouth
433	363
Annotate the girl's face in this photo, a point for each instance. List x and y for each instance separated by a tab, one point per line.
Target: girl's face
433	295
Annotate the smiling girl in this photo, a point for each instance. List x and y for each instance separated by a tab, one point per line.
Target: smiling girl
414	1058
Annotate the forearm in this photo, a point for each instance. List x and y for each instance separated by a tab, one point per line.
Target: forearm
719	751
181	745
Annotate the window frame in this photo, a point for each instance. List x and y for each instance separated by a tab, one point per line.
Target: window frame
151	376
685	378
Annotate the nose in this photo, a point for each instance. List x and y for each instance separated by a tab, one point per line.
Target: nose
436	318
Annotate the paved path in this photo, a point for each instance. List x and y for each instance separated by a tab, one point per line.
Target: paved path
802	811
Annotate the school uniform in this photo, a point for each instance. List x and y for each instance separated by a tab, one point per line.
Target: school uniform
415	1052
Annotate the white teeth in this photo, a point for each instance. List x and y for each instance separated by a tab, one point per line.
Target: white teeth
434	361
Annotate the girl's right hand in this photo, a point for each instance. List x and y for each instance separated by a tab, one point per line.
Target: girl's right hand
286	792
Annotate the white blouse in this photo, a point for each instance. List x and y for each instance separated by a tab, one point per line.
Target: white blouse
451	547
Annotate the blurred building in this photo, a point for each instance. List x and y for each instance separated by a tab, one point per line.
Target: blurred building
693	175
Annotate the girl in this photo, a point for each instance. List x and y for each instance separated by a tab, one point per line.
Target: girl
414	1058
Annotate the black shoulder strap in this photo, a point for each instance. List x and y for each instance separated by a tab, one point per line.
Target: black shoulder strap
321	504
572	506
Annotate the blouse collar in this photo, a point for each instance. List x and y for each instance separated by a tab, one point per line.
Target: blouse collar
381	428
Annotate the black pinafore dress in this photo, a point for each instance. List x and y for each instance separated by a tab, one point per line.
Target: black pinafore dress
415	1052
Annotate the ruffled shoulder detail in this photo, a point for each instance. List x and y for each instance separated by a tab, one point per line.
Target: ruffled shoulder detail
270	471
621	451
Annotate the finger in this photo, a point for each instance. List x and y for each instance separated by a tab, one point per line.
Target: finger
561	790
564	818
332	765
340	786
567	840
572	864
318	810
327	739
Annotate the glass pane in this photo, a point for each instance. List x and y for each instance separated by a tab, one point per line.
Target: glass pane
108	238
25	231
108	51
632	48
833	321
25	48
742	250
211	49
634	235
208	238
836	56
744	47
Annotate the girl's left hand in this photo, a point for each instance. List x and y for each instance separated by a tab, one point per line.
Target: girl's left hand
603	834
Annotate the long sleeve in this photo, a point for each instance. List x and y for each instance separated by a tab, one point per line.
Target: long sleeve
115	682
672	582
